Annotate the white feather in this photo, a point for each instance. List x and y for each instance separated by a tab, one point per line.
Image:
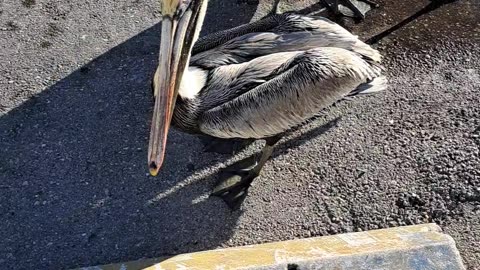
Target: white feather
194	79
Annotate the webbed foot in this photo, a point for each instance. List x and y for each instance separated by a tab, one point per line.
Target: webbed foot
233	188
236	179
351	8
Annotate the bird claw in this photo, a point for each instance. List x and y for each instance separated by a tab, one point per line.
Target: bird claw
233	189
234	199
227	184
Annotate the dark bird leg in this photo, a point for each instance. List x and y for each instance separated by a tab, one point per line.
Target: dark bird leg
433	5
234	188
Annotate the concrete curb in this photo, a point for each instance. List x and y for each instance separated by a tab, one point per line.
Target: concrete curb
409	247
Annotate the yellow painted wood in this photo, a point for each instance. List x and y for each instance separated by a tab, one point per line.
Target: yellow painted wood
304	249
385	241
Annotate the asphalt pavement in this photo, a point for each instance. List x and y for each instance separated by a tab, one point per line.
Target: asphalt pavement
75	104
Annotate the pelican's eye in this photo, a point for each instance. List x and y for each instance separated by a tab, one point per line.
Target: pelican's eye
182	7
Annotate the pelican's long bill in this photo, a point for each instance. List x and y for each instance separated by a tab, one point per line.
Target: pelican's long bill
179	23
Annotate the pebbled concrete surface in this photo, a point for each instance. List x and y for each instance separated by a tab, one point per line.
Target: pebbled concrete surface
75	106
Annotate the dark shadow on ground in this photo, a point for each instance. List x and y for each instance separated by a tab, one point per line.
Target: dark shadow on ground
73	183
74	189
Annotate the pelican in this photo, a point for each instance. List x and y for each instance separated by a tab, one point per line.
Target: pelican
255	81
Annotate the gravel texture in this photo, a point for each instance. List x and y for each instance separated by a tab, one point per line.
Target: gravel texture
74	112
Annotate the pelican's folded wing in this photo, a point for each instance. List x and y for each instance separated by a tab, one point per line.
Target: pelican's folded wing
296	91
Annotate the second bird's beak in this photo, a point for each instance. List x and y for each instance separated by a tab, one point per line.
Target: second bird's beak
178	31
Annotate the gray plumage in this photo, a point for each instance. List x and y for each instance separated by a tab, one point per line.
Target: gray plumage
266	77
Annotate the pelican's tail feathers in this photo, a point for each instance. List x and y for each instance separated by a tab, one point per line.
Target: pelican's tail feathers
378	84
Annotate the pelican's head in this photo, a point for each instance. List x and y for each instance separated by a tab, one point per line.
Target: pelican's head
181	23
